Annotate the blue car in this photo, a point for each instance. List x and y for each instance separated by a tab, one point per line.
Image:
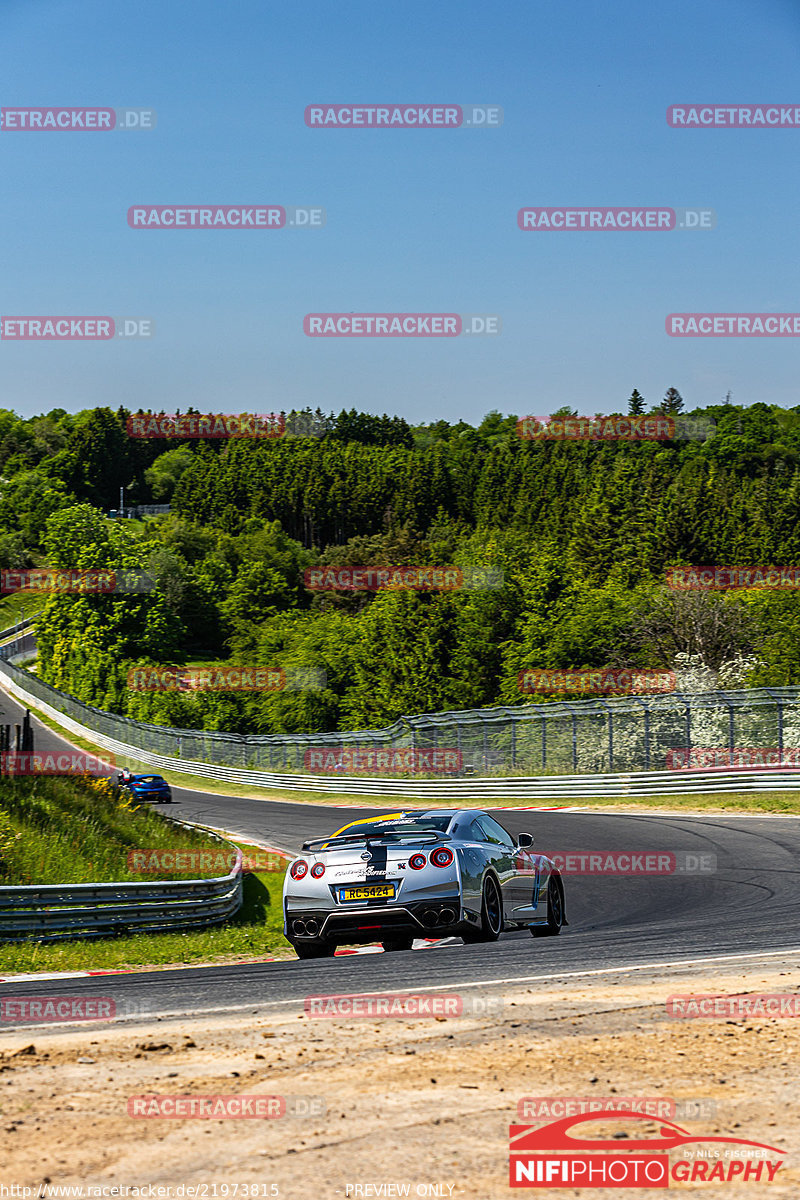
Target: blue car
148	787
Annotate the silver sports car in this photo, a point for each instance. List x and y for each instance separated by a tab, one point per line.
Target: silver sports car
440	873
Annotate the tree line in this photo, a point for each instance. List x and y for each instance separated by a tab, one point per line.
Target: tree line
579	535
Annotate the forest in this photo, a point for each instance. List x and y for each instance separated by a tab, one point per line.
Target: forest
563	547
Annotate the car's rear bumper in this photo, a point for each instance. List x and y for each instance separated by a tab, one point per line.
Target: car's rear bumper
438	917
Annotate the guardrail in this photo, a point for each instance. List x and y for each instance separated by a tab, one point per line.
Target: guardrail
19	648
52	912
493	787
18	628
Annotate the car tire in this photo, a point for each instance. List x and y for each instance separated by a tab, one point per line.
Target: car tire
318	949
491	925
555	912
398	943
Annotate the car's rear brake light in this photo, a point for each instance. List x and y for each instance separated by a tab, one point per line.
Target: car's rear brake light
318	870
417	862
298	869
442	857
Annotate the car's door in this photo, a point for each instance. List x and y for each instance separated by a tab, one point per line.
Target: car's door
501	850
472	851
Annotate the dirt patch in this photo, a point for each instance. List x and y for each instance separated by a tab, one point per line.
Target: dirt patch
420	1102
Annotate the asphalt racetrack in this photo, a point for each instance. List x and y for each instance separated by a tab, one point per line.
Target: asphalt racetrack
748	905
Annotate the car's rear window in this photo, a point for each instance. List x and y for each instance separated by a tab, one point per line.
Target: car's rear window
398	826
149	779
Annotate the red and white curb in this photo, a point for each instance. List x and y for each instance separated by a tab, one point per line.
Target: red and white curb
58	975
419	944
427	807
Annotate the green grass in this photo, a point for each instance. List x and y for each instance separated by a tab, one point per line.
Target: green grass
18	604
73	830
255	932
62	829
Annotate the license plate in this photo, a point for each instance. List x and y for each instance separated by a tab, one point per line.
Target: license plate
373	891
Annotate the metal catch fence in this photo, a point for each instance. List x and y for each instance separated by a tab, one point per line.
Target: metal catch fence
664	732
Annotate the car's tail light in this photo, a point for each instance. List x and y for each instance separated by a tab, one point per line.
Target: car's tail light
417	862
298	869
442	857
318	870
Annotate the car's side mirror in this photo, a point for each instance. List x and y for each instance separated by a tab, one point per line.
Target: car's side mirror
524	839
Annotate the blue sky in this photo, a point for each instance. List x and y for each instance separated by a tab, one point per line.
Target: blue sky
417	221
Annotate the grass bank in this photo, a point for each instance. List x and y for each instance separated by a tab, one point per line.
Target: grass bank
62	829
71	830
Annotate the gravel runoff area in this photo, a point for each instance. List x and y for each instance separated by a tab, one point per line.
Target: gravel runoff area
395	1105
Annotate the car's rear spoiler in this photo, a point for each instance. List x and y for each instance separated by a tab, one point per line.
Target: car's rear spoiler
353	839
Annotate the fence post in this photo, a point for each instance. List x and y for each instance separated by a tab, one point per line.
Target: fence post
513	740
780	729
646	736
646	709
574	717
778	702
609	710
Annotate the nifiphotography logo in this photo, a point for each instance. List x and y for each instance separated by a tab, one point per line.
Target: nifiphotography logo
552	1156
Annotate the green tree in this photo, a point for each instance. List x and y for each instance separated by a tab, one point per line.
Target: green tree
672	403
